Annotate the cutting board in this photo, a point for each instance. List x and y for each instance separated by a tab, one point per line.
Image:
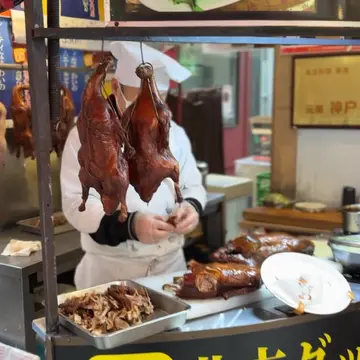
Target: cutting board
200	308
327	220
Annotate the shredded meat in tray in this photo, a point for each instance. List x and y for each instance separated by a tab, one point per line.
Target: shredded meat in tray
118	308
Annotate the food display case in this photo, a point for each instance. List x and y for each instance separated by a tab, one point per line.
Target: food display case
262	329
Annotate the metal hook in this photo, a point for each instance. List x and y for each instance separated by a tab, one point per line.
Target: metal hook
141	52
102	49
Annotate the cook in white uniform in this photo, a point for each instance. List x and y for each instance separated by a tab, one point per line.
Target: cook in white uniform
145	244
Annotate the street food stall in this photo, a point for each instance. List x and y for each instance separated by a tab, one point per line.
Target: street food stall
252	324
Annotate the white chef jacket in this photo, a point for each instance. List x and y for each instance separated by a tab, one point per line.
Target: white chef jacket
130	259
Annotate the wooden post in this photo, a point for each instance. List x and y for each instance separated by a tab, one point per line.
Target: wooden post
284	137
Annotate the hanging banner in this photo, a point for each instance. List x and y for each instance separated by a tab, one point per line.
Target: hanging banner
74	81
85	9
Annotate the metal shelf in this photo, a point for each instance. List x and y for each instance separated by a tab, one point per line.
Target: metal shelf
226	39
45	95
244	34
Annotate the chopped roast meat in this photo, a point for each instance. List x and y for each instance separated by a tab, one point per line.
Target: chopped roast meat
102	162
116	309
255	248
2	134
148	123
67	120
217	279
21	116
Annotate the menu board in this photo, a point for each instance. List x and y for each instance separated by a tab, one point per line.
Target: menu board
125	10
326	92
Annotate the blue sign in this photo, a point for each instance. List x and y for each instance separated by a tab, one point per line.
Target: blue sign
6	54
74	81
81	9
7	77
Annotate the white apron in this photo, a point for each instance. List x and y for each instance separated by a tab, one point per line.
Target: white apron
96	269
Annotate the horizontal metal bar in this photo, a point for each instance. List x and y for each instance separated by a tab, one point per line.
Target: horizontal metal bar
25	67
237	35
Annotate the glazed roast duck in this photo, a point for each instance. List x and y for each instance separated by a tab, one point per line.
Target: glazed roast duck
66	121
213	280
235	269
147	121
121	149
102	162
253	249
21	116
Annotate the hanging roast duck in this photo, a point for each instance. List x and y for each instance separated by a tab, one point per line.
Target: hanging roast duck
147	122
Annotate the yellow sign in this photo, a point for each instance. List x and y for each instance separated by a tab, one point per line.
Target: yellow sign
326	91
20	55
149	356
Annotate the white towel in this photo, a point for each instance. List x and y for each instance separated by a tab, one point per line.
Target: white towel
21	248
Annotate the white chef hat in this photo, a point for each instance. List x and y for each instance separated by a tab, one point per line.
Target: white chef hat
128	54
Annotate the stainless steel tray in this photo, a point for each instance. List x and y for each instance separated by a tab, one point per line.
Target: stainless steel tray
31	225
170	313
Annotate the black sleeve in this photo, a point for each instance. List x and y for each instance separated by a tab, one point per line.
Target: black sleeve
112	232
196	204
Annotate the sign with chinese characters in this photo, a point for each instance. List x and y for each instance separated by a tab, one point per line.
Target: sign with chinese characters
80	9
326	92
297	338
73	80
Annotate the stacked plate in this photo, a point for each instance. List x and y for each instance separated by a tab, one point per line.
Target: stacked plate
346	250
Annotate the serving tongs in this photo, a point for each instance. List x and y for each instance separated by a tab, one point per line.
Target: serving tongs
191	3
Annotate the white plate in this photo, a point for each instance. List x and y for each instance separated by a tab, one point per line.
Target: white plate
327	287
310	206
169	6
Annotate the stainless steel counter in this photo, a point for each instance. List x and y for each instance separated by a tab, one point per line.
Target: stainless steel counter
67	247
261	314
19	276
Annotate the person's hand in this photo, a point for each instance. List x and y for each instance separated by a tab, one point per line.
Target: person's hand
185	218
150	229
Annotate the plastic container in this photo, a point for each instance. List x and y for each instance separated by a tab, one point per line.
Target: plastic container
263	184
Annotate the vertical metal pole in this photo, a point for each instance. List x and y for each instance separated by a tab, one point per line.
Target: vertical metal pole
41	128
53	8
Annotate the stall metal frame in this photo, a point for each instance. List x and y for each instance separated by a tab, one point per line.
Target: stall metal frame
45	89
